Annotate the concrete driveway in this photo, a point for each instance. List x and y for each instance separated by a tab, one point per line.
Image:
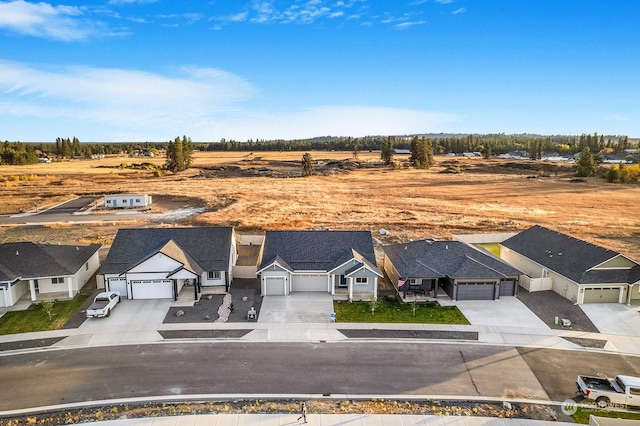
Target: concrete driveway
614	318
131	321
504	312
304	307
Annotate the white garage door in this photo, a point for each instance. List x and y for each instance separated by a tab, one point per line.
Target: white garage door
601	295
274	286
309	282
119	285
159	289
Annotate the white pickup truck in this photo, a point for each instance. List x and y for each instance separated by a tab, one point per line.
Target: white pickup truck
622	390
103	304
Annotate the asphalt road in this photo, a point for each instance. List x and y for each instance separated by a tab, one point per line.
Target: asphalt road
357	368
64	213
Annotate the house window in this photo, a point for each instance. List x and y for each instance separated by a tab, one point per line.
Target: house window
108	201
58	280
137	200
362	280
413	281
214	275
124	201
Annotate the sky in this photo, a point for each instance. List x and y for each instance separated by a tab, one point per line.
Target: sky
151	70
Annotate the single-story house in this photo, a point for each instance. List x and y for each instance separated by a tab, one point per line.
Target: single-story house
127	201
464	272
341	263
157	263
575	269
45	271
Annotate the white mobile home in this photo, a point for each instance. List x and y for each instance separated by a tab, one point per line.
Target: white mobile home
127	201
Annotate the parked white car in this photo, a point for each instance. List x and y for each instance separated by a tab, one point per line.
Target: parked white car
103	304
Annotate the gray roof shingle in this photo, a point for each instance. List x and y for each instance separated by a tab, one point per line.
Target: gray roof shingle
454	259
208	247
318	250
29	260
567	255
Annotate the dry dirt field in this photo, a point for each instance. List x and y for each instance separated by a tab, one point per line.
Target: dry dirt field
264	190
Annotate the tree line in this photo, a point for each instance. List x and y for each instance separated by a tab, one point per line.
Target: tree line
490	144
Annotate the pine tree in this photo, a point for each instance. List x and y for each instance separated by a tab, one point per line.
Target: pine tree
586	165
307	165
386	151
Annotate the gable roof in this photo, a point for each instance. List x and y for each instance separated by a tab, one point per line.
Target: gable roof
568	256
317	250
27	260
207	247
453	259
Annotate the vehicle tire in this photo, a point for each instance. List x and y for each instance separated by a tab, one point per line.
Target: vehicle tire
108	312
603	402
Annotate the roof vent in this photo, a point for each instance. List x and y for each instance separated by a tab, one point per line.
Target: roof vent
77	248
17	252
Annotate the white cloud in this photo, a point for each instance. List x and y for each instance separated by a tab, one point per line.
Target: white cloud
458	11
120	98
617	117
111	104
445	1
46	21
405	25
131	1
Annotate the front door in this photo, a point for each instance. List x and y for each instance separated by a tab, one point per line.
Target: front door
342	281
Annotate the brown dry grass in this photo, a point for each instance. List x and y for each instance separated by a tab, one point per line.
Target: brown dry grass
261	191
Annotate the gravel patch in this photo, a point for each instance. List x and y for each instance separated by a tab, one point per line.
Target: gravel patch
203	334
548	304
410	334
586	343
29	344
207	308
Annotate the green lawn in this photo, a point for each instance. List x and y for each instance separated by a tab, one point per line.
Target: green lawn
582	415
493	248
389	310
36	319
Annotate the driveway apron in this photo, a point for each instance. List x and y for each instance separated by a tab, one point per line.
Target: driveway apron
614	318
302	307
131	321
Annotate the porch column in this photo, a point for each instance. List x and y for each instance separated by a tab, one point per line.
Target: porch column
333	285
195	289
32	289
375	287
69	282
350	288
629	292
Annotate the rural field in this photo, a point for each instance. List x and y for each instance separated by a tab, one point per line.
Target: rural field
265	191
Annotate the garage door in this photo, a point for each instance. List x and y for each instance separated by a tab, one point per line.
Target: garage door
601	295
158	289
274	286
476	291
309	282
507	287
119	285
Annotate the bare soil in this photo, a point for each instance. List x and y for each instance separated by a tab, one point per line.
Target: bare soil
262	191
323	406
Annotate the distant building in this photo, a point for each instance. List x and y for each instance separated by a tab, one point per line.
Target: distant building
400	151
127	201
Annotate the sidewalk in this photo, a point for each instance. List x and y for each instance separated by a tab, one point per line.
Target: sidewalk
328	332
325	420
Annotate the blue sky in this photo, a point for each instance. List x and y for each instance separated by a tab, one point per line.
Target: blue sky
150	70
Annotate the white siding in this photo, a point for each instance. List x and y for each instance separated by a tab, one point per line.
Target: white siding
157	262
